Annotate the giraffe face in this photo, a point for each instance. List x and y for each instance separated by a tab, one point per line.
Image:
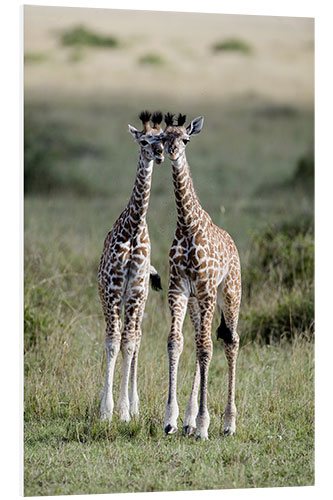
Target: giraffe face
152	147
150	144
176	137
175	140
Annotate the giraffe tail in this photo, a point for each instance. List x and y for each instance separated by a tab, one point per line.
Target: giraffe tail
155	279
223	332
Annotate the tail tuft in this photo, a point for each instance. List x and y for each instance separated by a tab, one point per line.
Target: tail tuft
223	332
155	281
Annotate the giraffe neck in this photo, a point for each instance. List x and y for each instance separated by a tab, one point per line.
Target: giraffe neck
189	210
139	201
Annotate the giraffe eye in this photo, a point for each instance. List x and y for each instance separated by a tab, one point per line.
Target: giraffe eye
143	143
185	141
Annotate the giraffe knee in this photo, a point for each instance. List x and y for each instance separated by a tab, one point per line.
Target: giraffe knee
112	347
175	345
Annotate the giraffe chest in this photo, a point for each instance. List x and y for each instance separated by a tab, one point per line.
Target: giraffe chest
196	263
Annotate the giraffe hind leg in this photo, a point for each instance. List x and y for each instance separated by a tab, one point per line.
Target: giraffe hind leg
229	301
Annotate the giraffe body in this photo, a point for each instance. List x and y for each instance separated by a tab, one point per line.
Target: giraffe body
123	277
204	271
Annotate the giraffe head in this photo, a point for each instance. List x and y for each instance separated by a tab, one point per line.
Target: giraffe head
148	138
176	136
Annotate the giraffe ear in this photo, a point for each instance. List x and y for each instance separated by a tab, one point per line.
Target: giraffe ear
135	133
195	126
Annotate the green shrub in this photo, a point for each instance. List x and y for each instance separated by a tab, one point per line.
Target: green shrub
304	172
152	59
46	145
278	283
36	327
232	45
81	36
34	57
290	316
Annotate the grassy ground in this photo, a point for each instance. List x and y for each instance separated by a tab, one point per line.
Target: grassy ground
252	170
69	452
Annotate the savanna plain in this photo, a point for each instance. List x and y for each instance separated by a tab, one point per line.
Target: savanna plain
253	170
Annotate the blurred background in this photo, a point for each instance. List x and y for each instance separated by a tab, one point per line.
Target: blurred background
87	75
89	72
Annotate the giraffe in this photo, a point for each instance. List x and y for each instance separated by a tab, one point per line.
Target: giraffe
123	275
204	270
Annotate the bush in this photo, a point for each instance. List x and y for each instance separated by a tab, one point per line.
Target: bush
46	145
304	172
36	327
232	45
278	283
81	36
152	59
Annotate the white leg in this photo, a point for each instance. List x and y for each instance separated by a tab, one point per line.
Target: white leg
133	396
204	350
111	348
178	304
192	405
127	349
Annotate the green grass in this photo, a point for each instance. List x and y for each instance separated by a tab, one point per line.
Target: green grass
243	166
71	452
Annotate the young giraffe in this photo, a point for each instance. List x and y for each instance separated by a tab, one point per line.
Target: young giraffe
204	269
123	275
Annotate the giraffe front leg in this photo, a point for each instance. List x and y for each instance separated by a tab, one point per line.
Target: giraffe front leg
128	345
112	347
204	348
178	304
192	405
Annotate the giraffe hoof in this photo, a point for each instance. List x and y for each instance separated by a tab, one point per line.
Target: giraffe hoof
228	431
168	429
198	437
105	416
189	430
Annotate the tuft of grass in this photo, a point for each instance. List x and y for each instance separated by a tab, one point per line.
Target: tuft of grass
152	59
81	36
232	45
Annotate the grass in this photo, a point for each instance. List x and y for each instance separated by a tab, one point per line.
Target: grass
67	449
70	453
